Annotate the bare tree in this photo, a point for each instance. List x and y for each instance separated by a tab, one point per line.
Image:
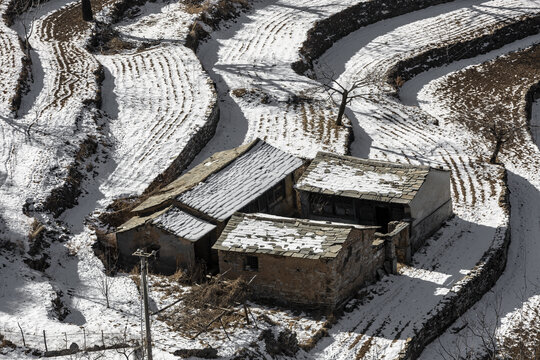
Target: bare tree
107	280
480	338
86	7
346	92
496	125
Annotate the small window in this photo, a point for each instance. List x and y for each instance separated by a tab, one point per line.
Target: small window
252	263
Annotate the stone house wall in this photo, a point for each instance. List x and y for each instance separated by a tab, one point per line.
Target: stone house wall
286	280
298	280
174	252
356	264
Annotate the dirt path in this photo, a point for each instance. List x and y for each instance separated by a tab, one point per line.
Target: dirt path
503	81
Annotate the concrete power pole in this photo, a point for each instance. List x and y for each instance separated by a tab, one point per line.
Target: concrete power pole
144	269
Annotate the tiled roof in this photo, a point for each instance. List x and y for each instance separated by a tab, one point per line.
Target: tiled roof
365	179
242	181
268	234
174	221
193	177
182	224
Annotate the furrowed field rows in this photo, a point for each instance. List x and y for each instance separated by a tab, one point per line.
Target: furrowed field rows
39	146
251	65
502	85
162	99
400	133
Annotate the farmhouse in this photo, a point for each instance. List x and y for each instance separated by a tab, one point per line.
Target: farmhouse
303	262
185	218
371	192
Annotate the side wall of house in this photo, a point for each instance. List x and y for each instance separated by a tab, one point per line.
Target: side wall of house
283	279
431	206
356	264
173	251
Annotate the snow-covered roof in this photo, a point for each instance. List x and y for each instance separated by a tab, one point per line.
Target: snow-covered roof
182	224
174	221
365	179
275	235
242	181
193	177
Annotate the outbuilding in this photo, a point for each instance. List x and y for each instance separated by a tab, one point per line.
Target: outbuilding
307	263
373	192
250	178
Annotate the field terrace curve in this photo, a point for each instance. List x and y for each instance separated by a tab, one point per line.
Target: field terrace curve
386	129
41	144
510	81
260	95
161	103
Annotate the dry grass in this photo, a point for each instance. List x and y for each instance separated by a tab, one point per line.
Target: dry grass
205	303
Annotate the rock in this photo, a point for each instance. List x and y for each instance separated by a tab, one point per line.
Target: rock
206	353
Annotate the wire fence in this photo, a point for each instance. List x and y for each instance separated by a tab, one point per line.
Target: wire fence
46	340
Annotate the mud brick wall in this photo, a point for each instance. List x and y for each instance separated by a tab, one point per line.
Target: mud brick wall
287	280
304	280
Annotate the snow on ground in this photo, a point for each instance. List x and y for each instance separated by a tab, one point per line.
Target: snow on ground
516	294
10	66
37	147
157	98
395	132
250	61
251	64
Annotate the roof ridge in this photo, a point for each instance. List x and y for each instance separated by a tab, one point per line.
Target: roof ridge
283	219
322	154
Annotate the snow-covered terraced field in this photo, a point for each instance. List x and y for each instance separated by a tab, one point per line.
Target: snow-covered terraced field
453	97
156	97
160	98
392	131
251	64
10	65
37	148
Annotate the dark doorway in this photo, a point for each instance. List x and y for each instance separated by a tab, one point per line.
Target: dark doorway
382	218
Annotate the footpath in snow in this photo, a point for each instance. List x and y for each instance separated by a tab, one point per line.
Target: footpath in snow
390	130
512	303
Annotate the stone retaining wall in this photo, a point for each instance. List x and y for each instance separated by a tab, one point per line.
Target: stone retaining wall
408	68
195	144
326	32
467	291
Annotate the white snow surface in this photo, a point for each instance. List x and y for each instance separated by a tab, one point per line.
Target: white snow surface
255	54
183	224
244	180
157	99
514	298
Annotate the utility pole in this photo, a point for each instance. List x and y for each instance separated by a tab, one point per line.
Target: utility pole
144	269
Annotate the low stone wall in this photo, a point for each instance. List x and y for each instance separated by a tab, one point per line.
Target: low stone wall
532	94
195	144
468	291
326	32
408	68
